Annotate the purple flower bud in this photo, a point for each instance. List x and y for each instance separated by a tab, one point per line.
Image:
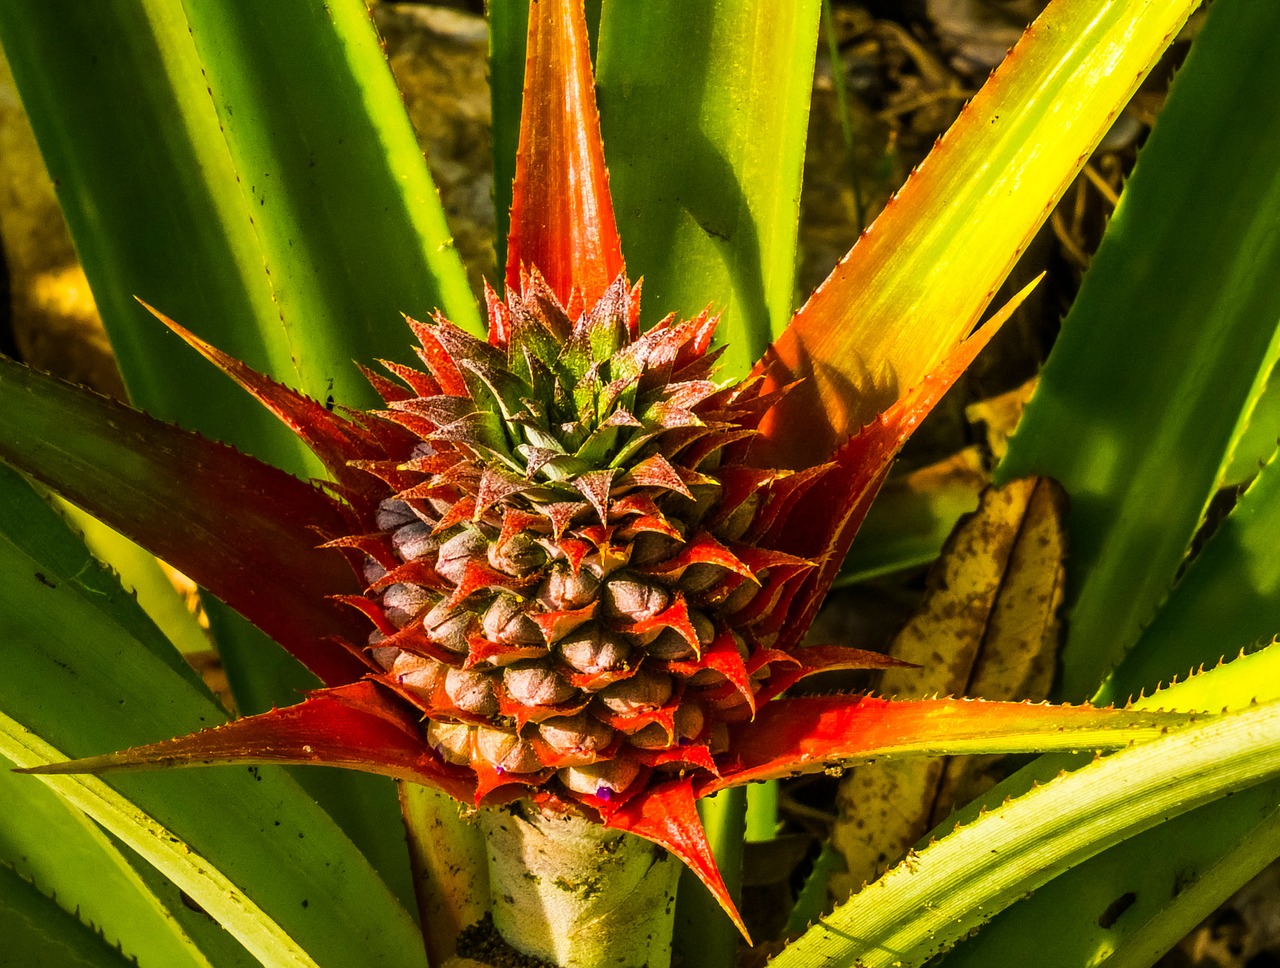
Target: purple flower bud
672	646
735	525
418	673
372	570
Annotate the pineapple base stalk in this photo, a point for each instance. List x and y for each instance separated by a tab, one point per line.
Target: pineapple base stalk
576	894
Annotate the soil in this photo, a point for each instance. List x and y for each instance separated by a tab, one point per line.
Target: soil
482	942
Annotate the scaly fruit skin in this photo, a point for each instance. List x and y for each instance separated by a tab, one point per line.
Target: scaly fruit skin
572	576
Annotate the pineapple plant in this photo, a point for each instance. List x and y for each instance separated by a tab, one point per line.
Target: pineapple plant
581	562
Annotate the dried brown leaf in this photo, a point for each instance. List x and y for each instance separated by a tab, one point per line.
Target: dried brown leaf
988	626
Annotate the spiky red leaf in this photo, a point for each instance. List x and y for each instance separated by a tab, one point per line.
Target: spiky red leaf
561	213
358	726
242	529
667	815
824	520
810	733
333	440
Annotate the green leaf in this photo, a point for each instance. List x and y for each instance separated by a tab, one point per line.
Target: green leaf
945	890
704	108
86	674
922	274
39	934
1172	876
47	842
508	33
206	885
254	174
811	902
343	206
1168	344
130	137
1215	880
141	571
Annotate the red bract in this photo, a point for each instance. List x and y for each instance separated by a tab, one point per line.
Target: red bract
584	586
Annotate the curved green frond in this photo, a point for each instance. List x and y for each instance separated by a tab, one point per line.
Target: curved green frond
1168	345
84	672
943	891
704	108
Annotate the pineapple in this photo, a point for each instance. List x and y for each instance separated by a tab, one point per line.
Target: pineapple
571	575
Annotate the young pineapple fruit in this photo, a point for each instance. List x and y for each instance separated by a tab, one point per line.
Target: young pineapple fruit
572	580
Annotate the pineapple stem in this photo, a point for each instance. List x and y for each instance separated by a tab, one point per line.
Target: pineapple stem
577	894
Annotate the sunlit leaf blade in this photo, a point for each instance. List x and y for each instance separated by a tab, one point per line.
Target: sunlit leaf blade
922	274
37	931
334	440
1180	860
1147	865
288	218
824	524
56	847
82	673
1167	344
129	134
1156	886
253	173
244	530
561	213
729	96
1217	879
349	220
945	890
810	733
206	885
